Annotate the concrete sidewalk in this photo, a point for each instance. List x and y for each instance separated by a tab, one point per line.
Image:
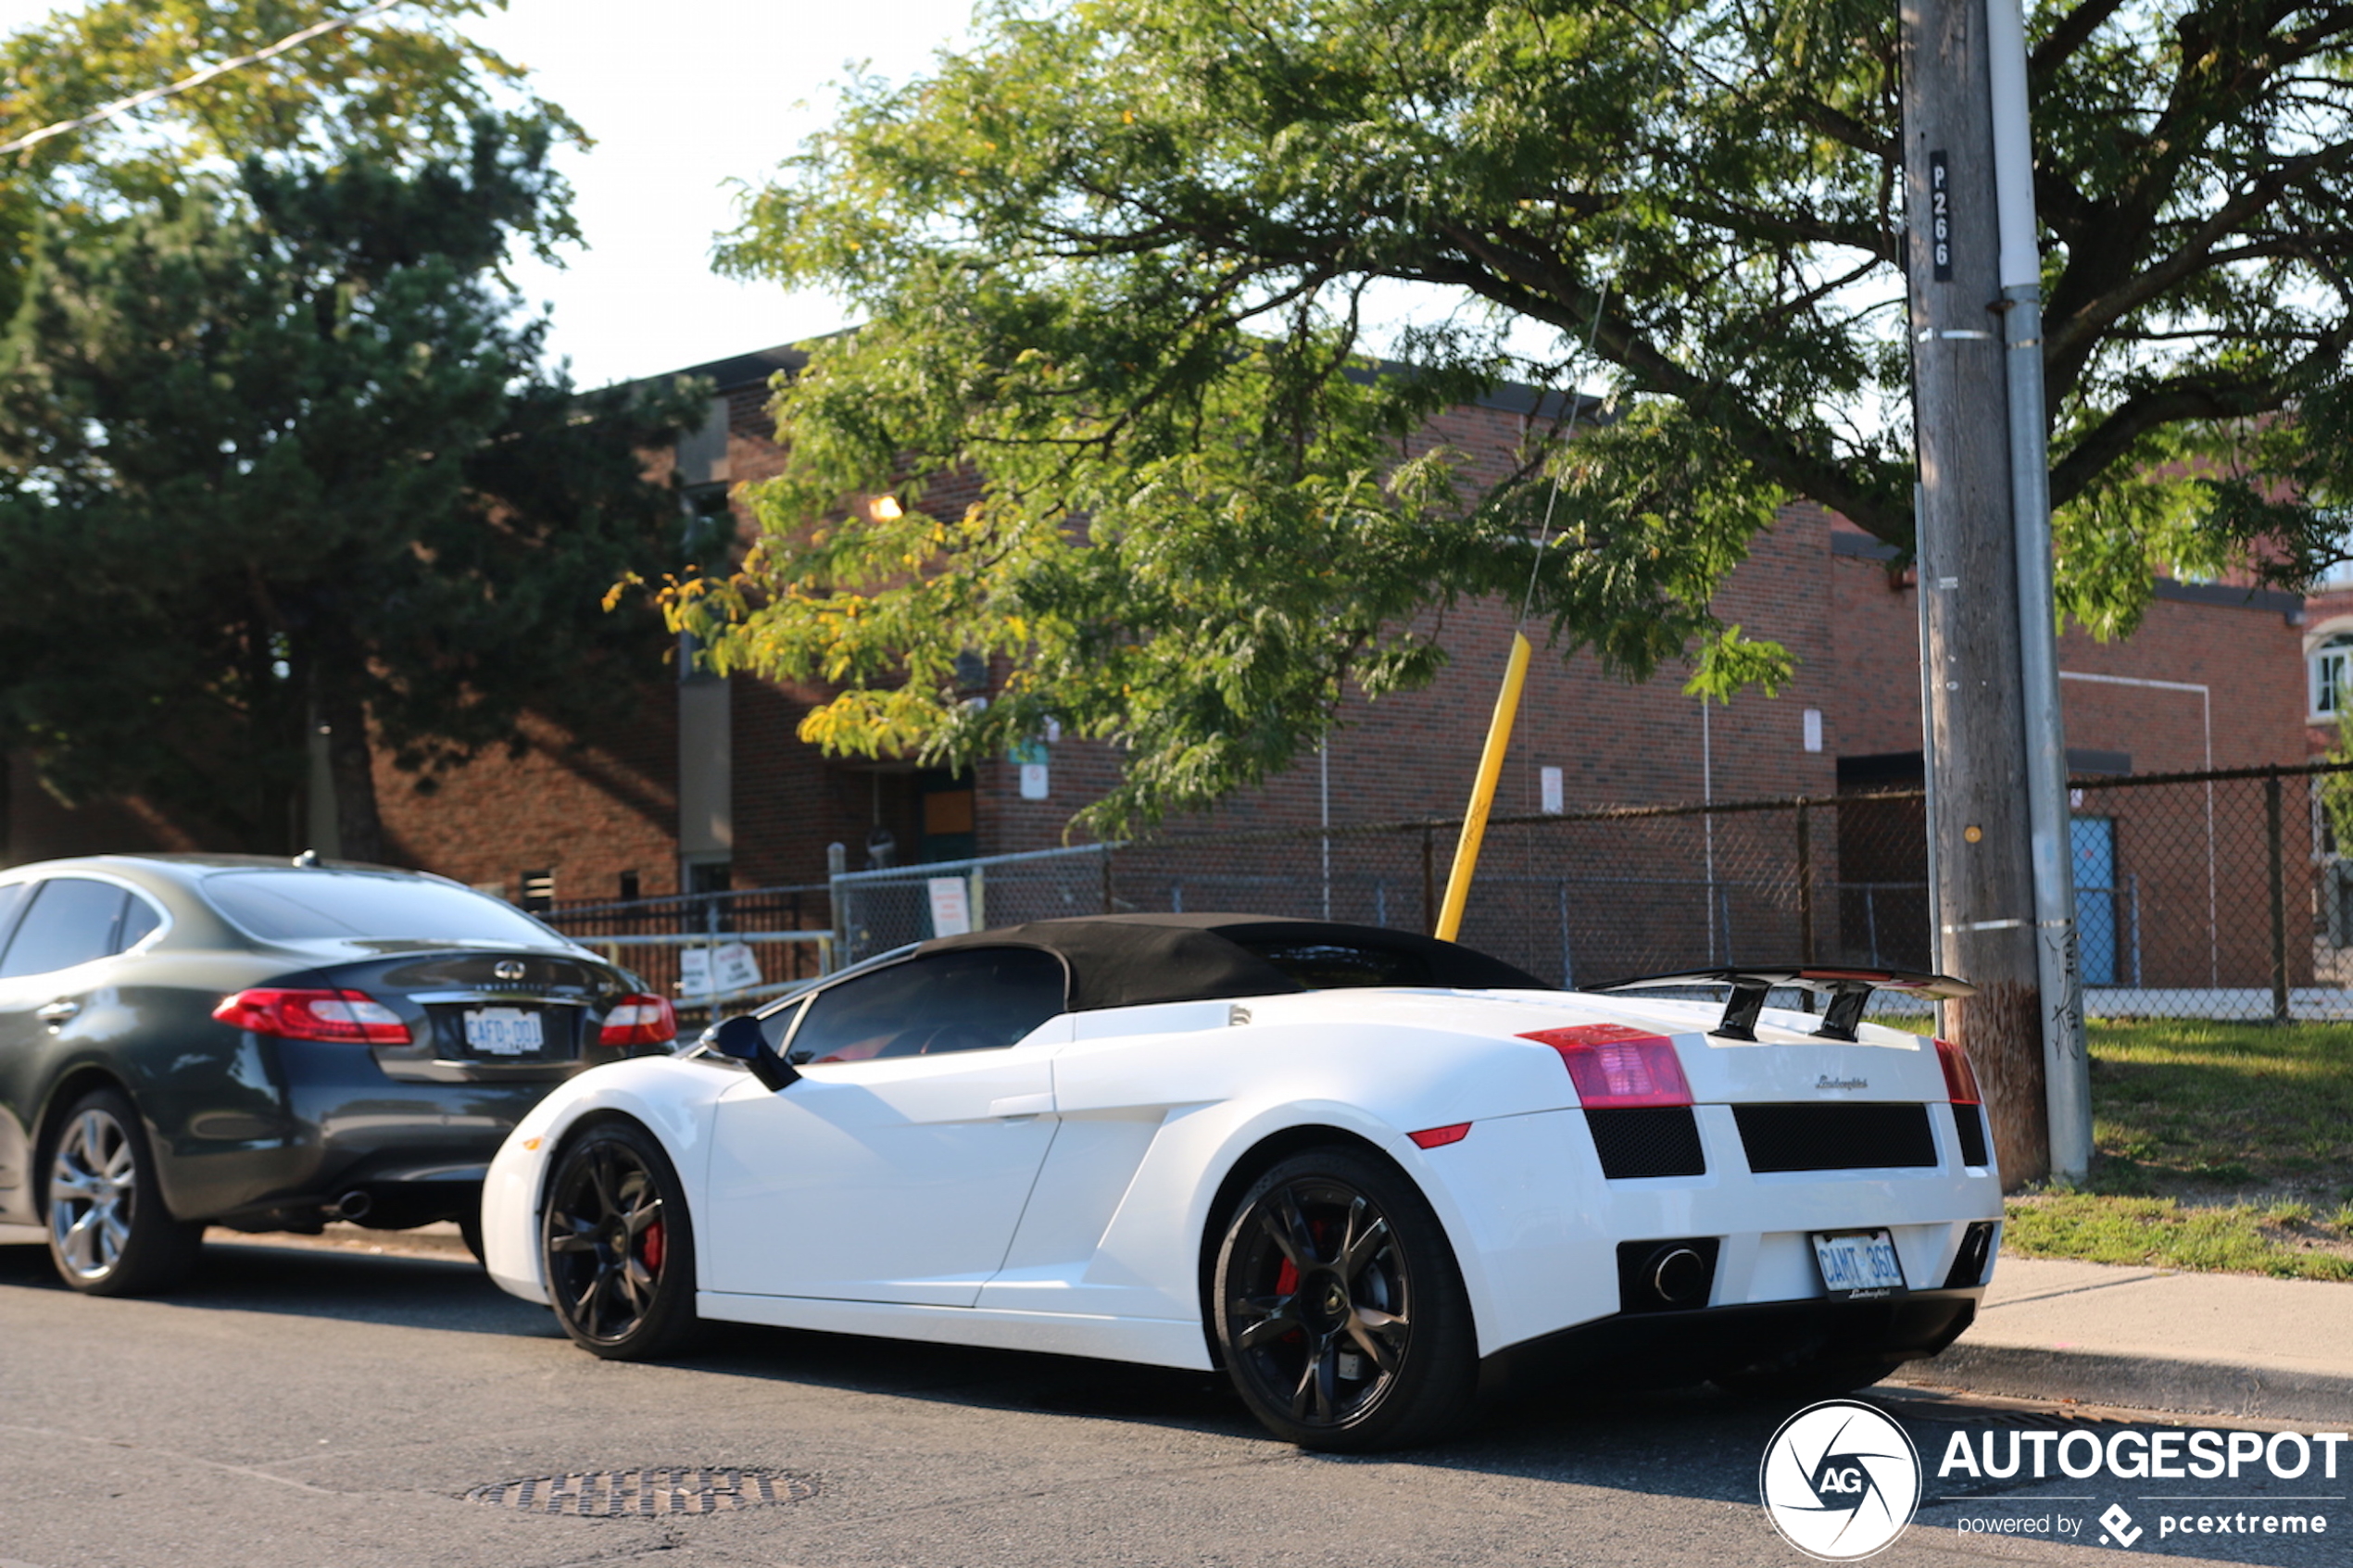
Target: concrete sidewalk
2156	1339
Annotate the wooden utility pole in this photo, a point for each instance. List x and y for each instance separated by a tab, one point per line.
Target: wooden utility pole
1984	900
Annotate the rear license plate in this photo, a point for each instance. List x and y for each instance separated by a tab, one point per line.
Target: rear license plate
1858	1264
504	1032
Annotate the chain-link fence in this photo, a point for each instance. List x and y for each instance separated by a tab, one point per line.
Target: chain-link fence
2217	895
707	950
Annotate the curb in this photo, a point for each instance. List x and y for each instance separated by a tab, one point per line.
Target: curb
2152	1383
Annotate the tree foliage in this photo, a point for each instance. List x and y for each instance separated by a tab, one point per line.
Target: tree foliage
1139	265
285	455
399	92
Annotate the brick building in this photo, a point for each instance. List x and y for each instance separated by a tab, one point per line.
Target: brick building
710	788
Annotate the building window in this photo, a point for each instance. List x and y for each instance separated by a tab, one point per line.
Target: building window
2333	677
538	891
630	893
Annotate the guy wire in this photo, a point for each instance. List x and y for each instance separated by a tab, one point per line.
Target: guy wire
1568	434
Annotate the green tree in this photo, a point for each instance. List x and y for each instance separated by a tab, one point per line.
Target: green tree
1125	260
400	90
286	456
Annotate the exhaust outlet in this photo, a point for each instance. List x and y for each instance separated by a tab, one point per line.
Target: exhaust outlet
1680	1276
1667	1276
352	1205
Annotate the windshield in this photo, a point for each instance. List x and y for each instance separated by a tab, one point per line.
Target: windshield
294	906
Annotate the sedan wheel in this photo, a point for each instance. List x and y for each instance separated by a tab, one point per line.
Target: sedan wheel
110	1232
1340	1312
619	1247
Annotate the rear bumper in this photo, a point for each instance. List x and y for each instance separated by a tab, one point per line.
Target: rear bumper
1536	1226
339	1125
1639	1349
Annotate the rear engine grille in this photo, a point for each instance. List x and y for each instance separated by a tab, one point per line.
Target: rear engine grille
1651	1140
1970	1120
1834	1137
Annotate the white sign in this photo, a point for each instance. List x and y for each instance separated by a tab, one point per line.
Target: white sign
1548	782
1032	781
951	913
706	972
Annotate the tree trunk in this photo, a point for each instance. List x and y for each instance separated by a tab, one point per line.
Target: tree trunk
358	825
1984	898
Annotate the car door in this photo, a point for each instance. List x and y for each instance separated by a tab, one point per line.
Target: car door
49	975
897	1167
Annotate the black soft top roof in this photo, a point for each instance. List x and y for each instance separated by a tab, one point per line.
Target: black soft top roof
1130	961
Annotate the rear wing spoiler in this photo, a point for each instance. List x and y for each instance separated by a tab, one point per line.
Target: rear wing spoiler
1848	990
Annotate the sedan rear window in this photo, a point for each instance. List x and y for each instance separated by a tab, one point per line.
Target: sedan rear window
72	921
293	906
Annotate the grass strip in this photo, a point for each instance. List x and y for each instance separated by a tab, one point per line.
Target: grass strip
2162	1232
2220	1146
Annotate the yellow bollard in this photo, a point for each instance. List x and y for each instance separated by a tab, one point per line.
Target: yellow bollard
1491	767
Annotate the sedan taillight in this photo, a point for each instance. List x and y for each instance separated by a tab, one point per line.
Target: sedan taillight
352	1016
639	1019
1615	1067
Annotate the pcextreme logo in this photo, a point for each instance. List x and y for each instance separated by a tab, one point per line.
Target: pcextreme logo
1840	1480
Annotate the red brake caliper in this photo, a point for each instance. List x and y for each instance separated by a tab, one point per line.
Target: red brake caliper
650	1247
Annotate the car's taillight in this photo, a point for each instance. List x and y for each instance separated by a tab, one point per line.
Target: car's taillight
639	1019
1960	1078
1613	1065
314	1015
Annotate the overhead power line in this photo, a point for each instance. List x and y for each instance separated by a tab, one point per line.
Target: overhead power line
154	94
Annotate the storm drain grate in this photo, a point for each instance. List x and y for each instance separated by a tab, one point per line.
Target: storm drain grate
648	1494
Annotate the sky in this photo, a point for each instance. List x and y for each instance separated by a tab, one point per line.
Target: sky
709	93
681	101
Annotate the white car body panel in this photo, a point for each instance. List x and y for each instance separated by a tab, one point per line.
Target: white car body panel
876	1181
1058	1195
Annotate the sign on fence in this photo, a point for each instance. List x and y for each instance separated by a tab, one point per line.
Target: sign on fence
951	913
704	972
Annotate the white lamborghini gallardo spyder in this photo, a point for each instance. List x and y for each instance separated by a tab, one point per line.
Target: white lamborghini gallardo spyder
1367	1172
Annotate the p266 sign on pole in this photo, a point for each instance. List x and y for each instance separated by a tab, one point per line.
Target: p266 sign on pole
1940	203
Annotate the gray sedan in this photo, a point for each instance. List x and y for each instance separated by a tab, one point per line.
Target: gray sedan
194	1039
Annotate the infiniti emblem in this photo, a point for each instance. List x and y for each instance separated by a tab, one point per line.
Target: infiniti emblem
507	968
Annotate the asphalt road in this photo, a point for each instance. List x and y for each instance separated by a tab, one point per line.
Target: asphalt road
294	1408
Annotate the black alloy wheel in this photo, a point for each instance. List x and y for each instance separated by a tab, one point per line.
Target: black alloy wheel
110	1232
618	1246
1340	1310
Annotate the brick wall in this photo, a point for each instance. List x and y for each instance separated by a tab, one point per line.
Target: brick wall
586	807
2248	657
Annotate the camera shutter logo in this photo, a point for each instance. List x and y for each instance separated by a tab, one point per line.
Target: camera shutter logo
1840	1480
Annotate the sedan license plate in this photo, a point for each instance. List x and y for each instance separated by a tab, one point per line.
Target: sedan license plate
1858	1264
504	1032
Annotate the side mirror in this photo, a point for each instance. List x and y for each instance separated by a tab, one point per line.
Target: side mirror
740	1038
